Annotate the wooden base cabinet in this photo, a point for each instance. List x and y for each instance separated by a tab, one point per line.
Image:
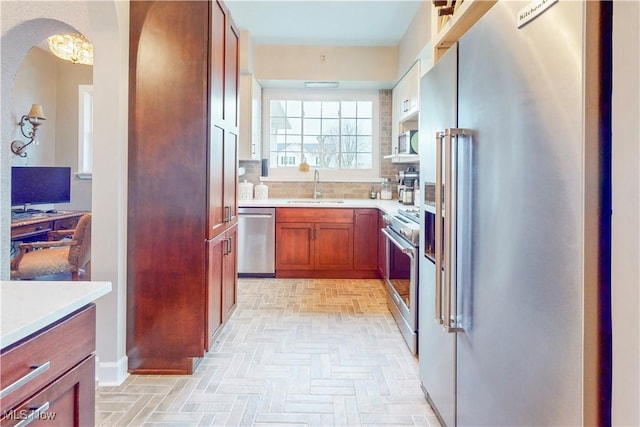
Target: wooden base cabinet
222	282
61	390
382	246
326	242
229	273
365	231
183	127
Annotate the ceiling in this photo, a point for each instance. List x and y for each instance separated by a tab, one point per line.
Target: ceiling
324	22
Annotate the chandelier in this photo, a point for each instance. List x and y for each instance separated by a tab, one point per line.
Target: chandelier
72	47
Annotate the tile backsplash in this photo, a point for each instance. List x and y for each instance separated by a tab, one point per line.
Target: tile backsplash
343	190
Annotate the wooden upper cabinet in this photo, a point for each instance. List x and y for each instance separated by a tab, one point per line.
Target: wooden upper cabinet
223	152
230	176
218	66
232	82
217	211
225	38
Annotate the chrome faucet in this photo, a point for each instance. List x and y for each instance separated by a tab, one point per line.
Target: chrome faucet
316	178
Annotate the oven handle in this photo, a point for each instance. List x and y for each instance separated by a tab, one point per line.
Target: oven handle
404	247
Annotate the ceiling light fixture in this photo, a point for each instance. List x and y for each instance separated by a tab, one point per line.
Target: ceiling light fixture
72	47
321	85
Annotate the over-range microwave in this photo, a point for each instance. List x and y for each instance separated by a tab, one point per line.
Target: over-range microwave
408	142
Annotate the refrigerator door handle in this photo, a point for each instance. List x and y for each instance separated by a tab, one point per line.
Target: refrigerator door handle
438	229
451	136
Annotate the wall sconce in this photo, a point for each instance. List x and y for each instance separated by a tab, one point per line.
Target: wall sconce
34	118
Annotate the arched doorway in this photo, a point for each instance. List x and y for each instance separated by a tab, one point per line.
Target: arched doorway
106	25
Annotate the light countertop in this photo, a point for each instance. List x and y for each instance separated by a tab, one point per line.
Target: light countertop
389	206
28	306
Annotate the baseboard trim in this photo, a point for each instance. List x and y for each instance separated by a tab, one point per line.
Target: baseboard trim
112	374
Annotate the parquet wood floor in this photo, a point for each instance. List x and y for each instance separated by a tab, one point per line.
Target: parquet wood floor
296	352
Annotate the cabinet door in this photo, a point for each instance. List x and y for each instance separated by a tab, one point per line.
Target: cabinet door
294	246
223	149
214	289
216	182
256	120
230	176
231	82
67	401
229	273
333	246
382	246
365	229
249	146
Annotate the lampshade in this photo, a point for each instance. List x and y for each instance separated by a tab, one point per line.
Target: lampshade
72	47
36	112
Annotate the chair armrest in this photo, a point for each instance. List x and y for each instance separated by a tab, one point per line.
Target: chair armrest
51	244
25	247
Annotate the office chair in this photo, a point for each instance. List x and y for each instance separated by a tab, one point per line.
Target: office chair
37	259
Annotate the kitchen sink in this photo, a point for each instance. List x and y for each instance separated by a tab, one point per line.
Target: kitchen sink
329	201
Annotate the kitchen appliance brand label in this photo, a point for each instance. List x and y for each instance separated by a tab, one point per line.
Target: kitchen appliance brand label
533	10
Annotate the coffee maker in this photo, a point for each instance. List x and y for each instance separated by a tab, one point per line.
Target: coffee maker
406	185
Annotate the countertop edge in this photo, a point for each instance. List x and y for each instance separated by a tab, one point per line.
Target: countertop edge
388	206
22	315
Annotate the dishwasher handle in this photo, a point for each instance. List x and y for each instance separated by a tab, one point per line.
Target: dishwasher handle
256	215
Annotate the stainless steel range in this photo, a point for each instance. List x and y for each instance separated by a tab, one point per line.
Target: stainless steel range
402	232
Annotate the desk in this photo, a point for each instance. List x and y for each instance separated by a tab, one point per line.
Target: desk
36	226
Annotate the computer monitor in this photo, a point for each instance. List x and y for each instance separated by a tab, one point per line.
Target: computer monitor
34	185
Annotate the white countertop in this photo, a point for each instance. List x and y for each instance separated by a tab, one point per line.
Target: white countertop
28	306
389	206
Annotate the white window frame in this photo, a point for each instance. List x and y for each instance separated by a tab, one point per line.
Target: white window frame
332	175
85	131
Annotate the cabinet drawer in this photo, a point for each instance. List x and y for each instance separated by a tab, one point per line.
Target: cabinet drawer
316	215
31	230
66	224
69	401
63	345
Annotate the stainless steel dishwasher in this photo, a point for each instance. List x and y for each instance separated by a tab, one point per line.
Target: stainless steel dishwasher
256	242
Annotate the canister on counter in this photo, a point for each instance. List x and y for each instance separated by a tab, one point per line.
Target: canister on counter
245	190
385	189
262	191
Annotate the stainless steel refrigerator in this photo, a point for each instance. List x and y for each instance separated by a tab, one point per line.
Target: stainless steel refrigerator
511	328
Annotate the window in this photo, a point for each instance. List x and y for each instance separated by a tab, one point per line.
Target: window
335	132
85	131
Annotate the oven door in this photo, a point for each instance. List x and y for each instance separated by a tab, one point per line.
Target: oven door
401	282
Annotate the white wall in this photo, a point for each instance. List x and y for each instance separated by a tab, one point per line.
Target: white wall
626	214
53	83
69	76
415	42
106	23
355	65
34	85
380	66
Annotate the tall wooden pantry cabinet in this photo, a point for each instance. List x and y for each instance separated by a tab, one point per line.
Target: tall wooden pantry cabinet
183	133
